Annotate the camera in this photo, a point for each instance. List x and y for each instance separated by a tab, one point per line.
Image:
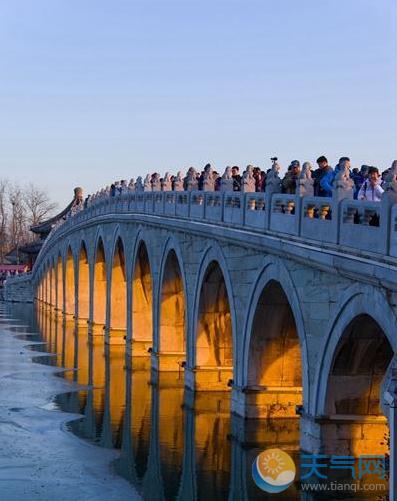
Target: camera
274	159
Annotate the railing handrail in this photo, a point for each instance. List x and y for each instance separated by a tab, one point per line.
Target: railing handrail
302	216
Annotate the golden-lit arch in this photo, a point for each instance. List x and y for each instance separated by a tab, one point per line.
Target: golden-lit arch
352	400
84	284
99	304
275	365
46	286
214	340
142	303
59	280
118	293
53	285
172	315
69	284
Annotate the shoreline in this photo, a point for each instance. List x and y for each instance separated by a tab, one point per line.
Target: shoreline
39	458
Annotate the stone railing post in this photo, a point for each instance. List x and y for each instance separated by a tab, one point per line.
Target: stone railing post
191	179
248	180
273	185
305	182
147	185
139	187
389	198
304	188
209	181
227	180
166	183
178	182
342	190
156	182
343	184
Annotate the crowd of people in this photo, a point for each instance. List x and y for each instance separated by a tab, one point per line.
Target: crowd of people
367	182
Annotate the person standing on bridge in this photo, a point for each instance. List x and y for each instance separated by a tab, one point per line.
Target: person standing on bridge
318	174
371	188
236	178
291	177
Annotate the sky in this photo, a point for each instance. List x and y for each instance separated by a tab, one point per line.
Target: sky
92	91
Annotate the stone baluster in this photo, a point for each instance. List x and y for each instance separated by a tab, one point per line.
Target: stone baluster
166	183
248	180
191	179
209	181
178	182
305	181
227	180
139	186
147	185
343	184
156	182
273	181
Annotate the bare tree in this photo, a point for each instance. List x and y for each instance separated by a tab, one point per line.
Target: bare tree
3	219
20	208
38	204
17	223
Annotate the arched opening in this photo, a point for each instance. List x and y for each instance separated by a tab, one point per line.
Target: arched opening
59	286
46	286
99	306
84	284
53	286
39	290
69	284
49	285
172	315
142	303
274	375
118	294
353	395
214	341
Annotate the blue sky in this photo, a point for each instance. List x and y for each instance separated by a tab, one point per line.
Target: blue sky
92	91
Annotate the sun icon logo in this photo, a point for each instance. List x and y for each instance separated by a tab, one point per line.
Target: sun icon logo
273	470
273	463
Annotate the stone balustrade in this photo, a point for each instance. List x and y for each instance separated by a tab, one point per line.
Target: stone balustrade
357	225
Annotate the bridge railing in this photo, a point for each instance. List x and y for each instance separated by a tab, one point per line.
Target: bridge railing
361	225
319	219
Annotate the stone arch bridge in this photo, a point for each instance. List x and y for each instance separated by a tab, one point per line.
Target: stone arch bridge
292	311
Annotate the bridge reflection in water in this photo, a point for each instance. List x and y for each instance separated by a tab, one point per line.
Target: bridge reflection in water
174	444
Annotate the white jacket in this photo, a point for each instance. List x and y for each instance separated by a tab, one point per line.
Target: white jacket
369	192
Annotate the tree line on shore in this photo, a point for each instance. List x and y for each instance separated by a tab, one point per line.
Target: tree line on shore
21	206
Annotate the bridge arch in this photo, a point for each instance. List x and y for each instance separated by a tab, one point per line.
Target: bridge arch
99	283
52	282
142	297
70	291
83	295
348	310
46	283
358	352
171	297
275	346
118	285
213	343
59	281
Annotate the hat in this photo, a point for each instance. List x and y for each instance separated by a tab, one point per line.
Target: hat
295	163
